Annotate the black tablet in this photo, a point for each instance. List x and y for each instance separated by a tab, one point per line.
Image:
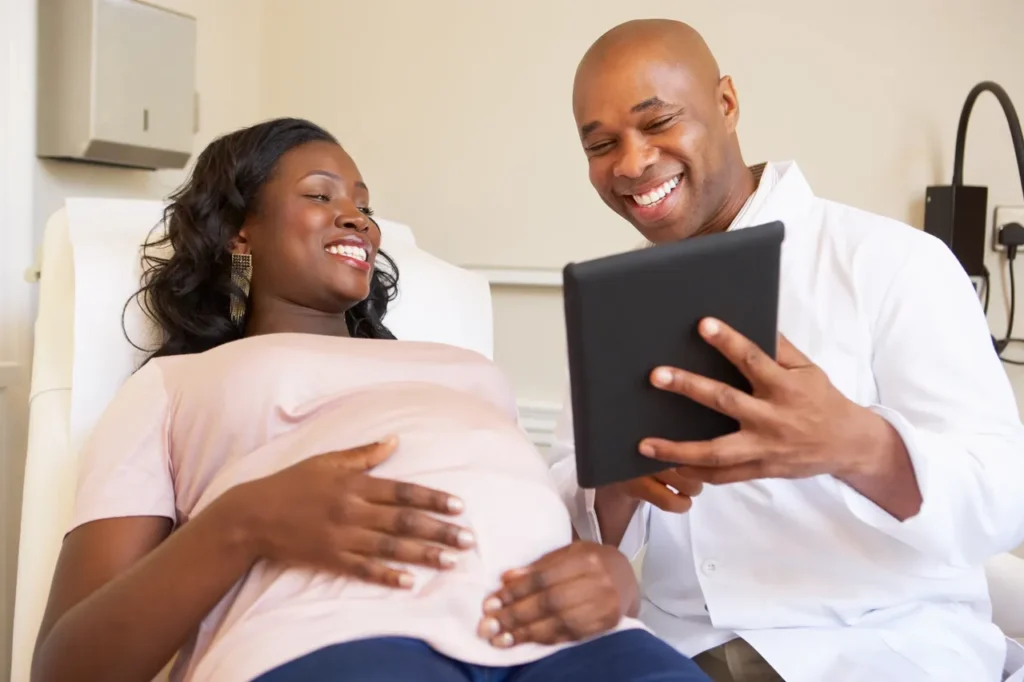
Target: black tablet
631	312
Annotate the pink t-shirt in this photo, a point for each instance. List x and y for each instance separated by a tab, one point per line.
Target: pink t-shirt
185	429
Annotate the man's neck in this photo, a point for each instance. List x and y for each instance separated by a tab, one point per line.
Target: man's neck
740	191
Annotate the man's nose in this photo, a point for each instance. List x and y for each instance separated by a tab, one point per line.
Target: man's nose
635	157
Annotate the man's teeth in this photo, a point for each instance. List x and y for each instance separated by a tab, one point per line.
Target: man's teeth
356	252
656	194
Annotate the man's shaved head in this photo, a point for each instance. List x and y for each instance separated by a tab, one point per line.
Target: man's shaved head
654	38
658	122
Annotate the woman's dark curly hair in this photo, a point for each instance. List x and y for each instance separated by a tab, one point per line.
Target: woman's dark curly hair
187	293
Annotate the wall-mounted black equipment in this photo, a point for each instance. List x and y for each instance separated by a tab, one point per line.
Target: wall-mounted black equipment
956	213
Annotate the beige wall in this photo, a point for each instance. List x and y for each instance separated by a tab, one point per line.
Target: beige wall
458	112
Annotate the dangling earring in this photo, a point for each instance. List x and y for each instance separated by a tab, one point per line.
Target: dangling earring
241	275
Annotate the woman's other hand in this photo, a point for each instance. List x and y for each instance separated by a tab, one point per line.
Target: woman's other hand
576	592
327	512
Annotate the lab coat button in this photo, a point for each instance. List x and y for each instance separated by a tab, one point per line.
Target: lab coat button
709	567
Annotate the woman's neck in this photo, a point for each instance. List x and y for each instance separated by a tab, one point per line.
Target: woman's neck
278	317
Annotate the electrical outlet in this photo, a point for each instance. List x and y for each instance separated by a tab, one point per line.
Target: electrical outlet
1004	215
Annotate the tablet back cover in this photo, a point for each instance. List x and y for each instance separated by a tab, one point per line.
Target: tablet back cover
631	312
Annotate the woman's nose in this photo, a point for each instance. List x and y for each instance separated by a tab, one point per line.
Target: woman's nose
353	221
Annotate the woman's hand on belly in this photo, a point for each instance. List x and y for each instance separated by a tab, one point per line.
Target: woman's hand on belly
326	512
578	591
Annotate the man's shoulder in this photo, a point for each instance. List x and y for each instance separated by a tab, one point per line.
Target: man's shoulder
857	234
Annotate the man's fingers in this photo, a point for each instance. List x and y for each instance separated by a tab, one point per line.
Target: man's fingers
688	486
410	523
756	365
790	356
410	495
729	450
747	471
710	393
657	493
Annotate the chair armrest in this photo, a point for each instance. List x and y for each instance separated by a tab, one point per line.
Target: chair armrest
1005	574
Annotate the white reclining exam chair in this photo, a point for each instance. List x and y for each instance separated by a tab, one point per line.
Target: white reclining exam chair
90	267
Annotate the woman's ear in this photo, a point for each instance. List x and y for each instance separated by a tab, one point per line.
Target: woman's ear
240	243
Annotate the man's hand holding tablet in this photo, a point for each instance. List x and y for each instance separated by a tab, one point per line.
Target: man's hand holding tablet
679	378
795	424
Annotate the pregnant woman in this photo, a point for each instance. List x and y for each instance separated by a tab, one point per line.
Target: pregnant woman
283	491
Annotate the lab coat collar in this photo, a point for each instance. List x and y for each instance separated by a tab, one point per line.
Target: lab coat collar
788	201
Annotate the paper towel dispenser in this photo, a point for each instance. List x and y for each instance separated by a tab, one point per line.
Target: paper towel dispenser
116	83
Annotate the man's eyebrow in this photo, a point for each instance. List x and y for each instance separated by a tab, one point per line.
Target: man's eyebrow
589	128
649	103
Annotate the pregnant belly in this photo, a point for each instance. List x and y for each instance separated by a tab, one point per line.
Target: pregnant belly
466	449
515	518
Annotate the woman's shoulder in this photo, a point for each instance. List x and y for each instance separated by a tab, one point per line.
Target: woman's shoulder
343	347
296	353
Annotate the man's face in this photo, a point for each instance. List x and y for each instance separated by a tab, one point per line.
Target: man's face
654	136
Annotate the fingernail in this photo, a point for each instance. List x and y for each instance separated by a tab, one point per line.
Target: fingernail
466	538
447	559
662	377
405	580
513	573
647	450
503	641
492	604
489	627
711	327
388	440
455	505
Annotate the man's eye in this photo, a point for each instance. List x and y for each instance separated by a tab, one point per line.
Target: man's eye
660	123
599	148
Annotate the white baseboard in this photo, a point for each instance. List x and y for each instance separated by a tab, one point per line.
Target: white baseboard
538	419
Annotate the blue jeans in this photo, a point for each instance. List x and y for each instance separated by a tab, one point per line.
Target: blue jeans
628	656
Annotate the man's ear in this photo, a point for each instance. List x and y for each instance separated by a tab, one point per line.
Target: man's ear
729	103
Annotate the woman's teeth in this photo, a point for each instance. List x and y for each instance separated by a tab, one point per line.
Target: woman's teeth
345	250
656	194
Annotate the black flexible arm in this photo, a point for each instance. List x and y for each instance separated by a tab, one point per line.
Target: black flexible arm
1011	119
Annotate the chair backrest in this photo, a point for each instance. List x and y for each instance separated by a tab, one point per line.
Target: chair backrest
90	268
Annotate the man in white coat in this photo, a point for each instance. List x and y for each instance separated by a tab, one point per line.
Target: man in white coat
840	534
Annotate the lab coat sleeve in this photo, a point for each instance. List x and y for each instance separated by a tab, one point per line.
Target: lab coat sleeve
580	501
943	388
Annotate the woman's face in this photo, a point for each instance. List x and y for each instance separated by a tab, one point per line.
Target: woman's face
312	241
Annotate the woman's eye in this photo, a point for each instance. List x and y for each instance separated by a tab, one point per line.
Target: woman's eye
319	197
367	210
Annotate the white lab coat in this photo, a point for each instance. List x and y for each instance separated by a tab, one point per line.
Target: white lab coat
817	578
